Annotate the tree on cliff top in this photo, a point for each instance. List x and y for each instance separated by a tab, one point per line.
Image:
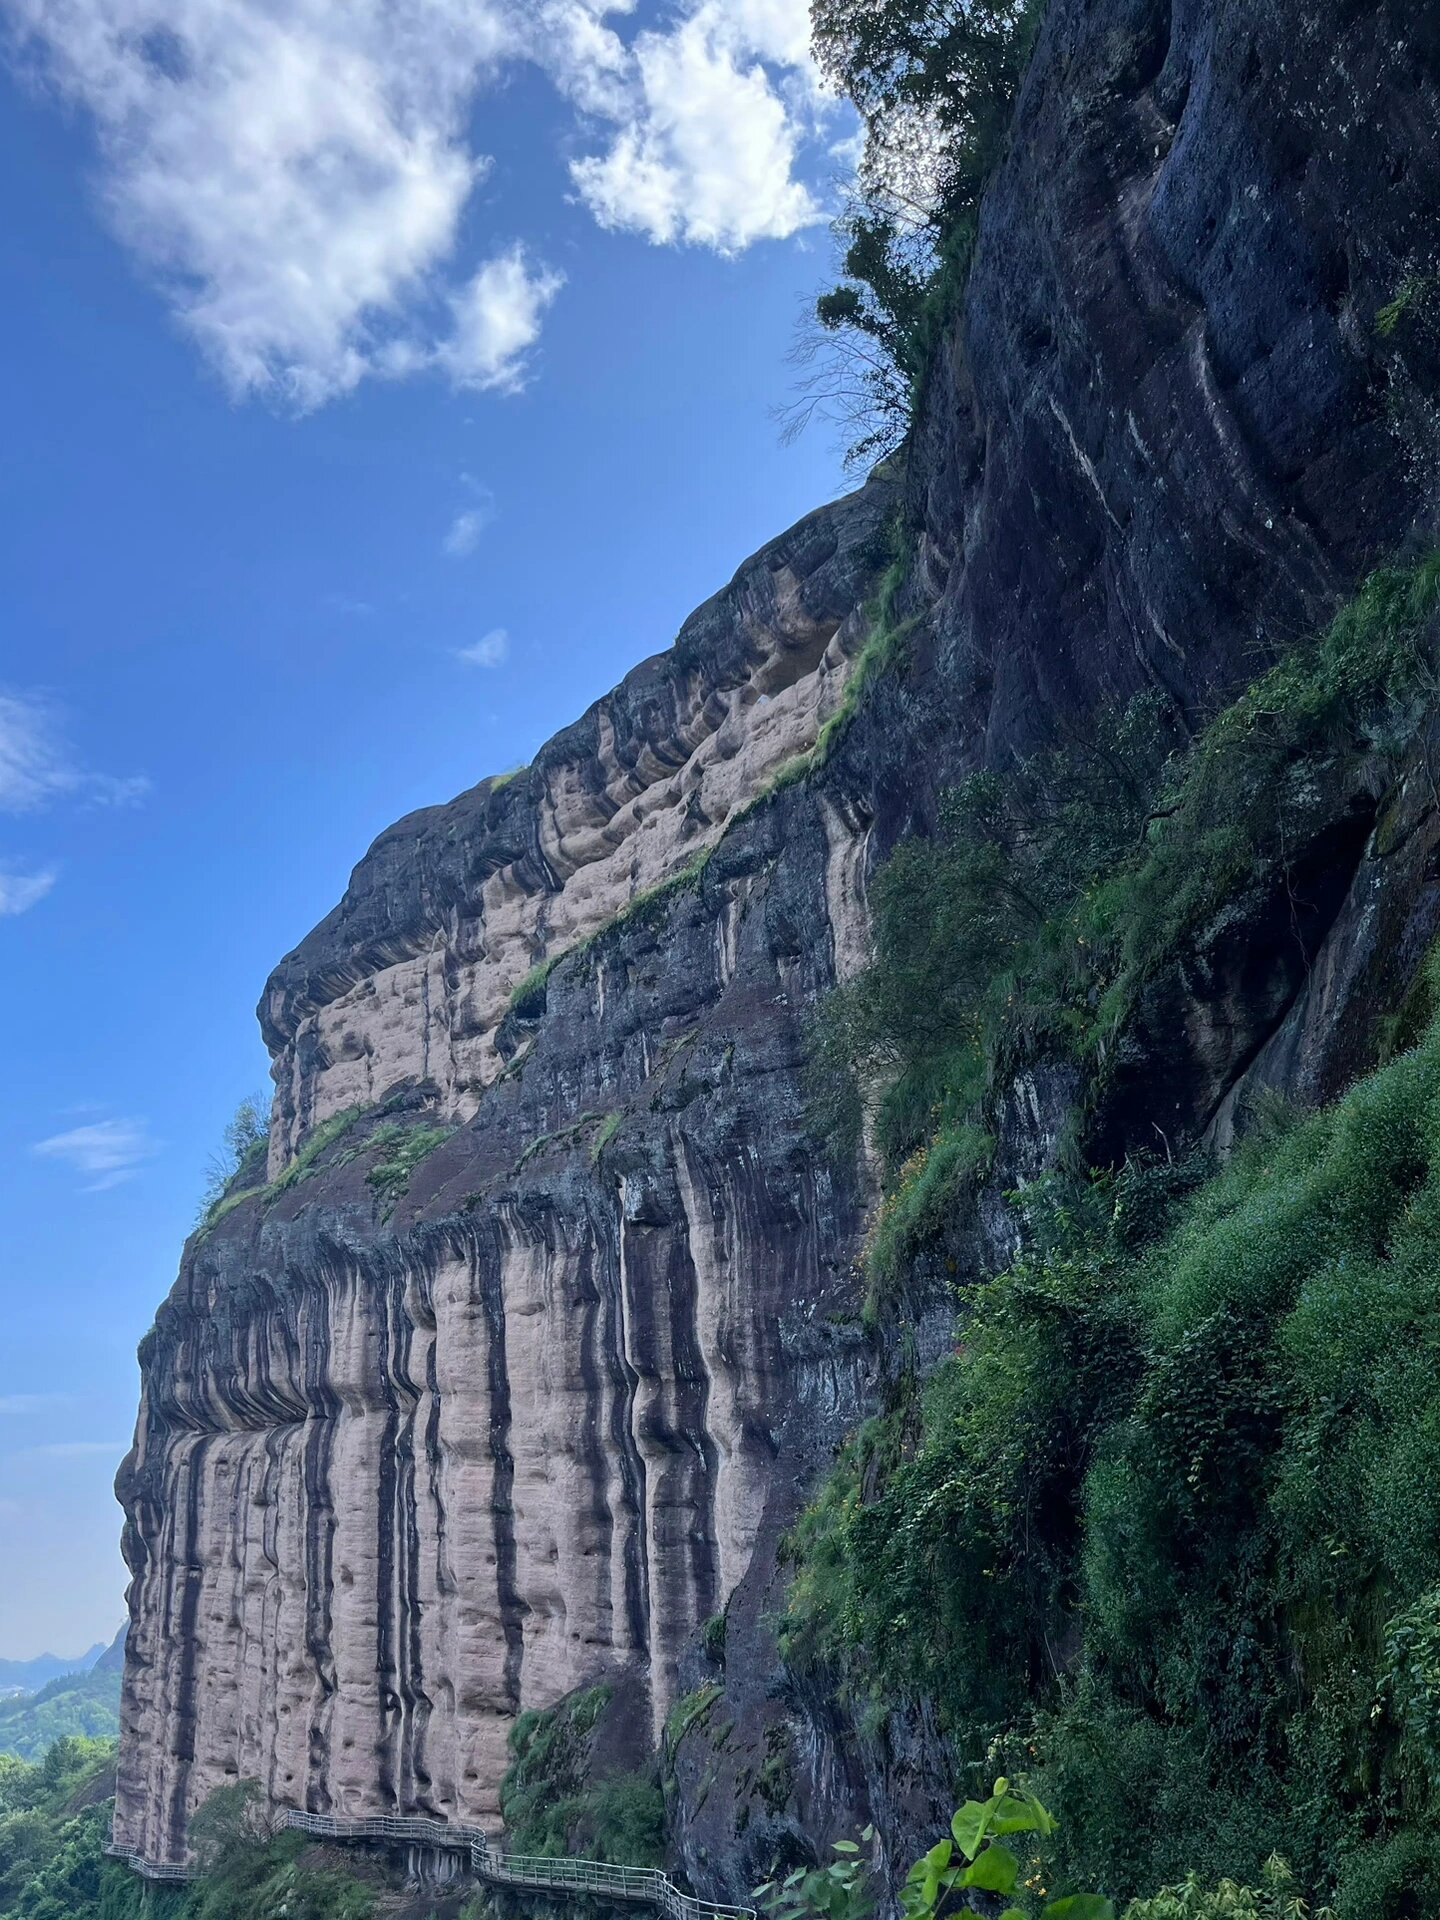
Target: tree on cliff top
934	83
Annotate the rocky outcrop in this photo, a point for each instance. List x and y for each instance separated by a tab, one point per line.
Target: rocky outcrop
420	1447
397	1478
409	980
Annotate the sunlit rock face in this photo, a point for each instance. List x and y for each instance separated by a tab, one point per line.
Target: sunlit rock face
402	1471
396	1479
409	979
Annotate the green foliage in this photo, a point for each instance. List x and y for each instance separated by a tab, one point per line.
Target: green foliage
87	1704
55	1822
1275	1898
246	1872
927	1187
712	1638
317	1142
839	1889
246	1138
1168	1523
551	1805
934	88
527	996
401	1150
52	1864
1033	921
689	1711
976	1856
604	1134
1416	293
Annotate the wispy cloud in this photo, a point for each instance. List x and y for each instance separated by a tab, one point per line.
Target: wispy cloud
21	891
301	180
464	531
488	651
38	766
73	1450
20	1403
106	1152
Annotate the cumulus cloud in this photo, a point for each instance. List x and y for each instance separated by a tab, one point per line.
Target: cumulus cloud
299	178
496	320
708	149
21	891
105	1152
491	650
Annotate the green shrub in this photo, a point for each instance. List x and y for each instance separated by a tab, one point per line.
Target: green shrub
1168	1523
401	1150
317	1141
1030	925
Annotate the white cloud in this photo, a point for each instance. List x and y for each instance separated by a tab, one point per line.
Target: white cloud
496	322
106	1152
464	531
19	1403
708	150
489	651
37	767
299	178
21	891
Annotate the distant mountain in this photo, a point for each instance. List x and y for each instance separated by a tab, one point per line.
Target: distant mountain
84	1700
28	1676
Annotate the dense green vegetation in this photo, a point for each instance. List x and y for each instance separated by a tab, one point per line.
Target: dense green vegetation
1032	924
55	1821
1168	1523
87	1704
1165	1530
555	1802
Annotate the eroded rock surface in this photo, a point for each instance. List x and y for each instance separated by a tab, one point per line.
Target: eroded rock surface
397	1478
399	1474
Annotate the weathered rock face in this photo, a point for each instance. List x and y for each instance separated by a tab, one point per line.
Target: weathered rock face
407	982
397	1477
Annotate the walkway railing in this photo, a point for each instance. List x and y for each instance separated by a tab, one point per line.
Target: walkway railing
562	1876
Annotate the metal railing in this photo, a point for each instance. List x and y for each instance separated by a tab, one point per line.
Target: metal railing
599	1877
565	1875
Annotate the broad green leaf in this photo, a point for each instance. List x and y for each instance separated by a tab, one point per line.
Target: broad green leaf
1081	1906
1019	1813
996	1871
846	1846
938	1858
1012	1913
969	1826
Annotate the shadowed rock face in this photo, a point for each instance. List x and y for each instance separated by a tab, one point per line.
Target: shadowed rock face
397	1477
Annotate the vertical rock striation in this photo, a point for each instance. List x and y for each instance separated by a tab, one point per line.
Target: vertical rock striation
398	1477
415	1455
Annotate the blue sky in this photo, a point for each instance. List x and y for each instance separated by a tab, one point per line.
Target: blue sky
372	400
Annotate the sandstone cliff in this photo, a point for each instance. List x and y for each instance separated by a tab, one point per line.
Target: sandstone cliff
421	1449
